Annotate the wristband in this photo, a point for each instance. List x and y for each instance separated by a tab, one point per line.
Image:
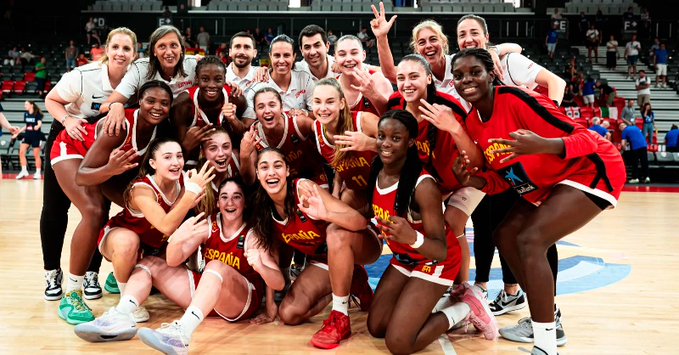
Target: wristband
419	241
193	187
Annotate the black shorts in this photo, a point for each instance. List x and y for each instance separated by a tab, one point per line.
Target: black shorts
32	138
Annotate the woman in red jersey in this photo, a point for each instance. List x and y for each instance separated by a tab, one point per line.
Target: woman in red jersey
565	174
218	150
298	214
406	205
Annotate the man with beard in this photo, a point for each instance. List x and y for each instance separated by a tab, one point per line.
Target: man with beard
241	71
314	46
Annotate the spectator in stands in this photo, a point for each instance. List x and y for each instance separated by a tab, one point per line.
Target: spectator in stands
189	41
269	36
551	40
70	54
167	14
91	32
82	60
611	53
629	14
12	57
570	69
26	57
645	23
583	26
632	49
649	122
259	39
203	39
638	149
41	76
588	92
606	93
32	137
651	50
629	115
96	52
671	139
601	127
332	39
365	38
593	38
660	60
643	86
556	16
568	97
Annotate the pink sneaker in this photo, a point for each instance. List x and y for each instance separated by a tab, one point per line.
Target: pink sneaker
480	315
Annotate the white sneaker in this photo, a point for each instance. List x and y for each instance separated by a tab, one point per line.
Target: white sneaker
168	339
140	315
633	181
22	174
37	176
111	326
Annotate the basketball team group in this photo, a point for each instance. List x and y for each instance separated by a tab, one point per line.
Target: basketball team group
260	193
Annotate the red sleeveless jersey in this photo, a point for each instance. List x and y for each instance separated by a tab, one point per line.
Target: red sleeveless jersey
200	119
354	170
135	220
441	160
299	152
130	142
230	250
363	103
590	163
301	232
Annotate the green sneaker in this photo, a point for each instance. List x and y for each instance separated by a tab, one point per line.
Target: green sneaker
74	310
111	285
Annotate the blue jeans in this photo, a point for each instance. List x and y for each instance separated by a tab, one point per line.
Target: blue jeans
649	129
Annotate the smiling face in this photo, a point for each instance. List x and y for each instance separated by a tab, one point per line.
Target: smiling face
349	54
472	80
154	105
314	51
393	141
327	104
412	80
470	34
217	150
211	81
120	51
429	45
231	203
282	57
168	161
168	50
269	110
272	172
242	51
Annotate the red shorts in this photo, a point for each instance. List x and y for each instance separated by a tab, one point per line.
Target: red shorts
439	272
65	147
252	304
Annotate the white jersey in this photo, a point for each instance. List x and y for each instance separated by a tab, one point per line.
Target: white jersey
447	85
243	82
298	96
520	71
85	88
304	66
136	77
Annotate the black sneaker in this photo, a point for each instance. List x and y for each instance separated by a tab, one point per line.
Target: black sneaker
505	303
91	287
53	291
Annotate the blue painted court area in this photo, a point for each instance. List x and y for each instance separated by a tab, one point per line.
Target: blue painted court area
580	273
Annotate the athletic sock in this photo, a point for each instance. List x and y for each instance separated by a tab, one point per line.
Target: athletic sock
191	320
121	286
456	313
340	304
75	282
545	336
127	304
37	171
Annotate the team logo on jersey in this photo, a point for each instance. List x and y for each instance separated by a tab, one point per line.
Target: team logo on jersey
516	176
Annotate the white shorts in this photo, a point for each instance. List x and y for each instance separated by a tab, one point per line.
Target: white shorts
661	69
588	99
466	199
551	47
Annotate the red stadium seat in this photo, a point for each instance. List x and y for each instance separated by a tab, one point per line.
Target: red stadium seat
48	86
19	87
29	77
7	87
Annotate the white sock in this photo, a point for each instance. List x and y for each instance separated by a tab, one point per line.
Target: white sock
24	169
191	320
127	304
456	313
340	304
37	171
75	282
121	286
545	336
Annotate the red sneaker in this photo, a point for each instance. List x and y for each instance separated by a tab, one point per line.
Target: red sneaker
360	288
335	329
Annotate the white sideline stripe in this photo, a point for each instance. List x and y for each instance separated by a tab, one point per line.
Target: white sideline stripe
583	268
446	345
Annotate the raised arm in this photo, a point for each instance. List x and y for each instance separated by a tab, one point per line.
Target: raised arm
380	27
320	204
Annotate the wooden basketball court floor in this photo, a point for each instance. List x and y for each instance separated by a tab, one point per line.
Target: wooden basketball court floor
635	313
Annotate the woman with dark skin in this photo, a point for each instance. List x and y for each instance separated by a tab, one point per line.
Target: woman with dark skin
565	175
406	203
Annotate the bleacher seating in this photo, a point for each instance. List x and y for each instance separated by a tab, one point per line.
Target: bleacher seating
127	5
607	7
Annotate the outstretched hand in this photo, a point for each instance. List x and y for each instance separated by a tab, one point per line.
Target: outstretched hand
311	203
525	142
